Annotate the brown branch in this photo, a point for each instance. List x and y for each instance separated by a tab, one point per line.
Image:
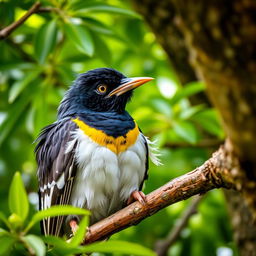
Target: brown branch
5	32
214	173
162	246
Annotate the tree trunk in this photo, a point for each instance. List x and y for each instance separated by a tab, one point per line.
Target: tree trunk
219	38
161	15
242	222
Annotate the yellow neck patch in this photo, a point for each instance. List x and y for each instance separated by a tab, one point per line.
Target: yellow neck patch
117	145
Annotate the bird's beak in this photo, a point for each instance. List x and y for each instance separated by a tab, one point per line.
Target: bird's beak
128	84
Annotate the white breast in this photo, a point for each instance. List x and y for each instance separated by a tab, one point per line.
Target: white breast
105	180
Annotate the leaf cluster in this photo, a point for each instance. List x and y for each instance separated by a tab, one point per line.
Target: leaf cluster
16	235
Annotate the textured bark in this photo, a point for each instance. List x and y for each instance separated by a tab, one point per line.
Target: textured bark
160	15
214	173
220	40
242	223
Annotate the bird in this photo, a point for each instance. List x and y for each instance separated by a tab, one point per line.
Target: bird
94	156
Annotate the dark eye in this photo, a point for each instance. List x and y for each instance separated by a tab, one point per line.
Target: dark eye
102	89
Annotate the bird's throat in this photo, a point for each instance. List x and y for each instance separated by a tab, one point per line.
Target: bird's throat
117	145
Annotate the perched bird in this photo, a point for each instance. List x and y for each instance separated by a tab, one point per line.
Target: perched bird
94	156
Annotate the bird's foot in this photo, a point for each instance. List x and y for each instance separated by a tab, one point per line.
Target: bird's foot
74	226
137	196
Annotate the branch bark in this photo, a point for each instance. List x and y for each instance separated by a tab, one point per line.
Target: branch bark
214	173
5	32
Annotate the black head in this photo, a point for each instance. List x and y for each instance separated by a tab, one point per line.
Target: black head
100	90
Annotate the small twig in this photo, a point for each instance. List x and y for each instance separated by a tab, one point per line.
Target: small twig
18	48
47	9
162	246
195	182
5	32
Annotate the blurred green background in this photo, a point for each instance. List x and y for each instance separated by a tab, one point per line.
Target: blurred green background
39	61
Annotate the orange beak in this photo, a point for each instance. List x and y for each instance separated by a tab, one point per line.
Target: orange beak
128	84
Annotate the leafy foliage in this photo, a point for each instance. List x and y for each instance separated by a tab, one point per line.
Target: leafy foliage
17	227
39	60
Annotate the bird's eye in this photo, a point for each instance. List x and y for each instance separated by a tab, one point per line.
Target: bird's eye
102	89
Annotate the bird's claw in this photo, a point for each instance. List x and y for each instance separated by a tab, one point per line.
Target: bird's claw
74	226
137	196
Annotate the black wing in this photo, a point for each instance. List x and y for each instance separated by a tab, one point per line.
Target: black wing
146	162
56	171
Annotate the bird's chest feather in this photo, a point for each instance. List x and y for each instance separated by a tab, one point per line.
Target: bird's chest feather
107	172
115	144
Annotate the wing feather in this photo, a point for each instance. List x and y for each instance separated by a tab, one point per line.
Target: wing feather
146	163
56	171
152	154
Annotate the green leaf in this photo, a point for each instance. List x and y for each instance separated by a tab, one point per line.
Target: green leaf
20	85
188	90
103	8
209	121
30	120
80	37
102	50
36	244
136	34
40	105
4	219
15	110
64	248
15	64
186	131
97	26
18	200
80	233
190	111
162	106
6	243
3	232
60	247
117	247
56	242
45	40
78	4
57	210
65	73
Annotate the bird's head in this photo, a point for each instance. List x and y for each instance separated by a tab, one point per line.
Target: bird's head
100	90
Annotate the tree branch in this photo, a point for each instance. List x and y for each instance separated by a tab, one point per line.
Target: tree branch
47	9
162	246
5	32
214	173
